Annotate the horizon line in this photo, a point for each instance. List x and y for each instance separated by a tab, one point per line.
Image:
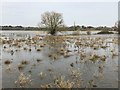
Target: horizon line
65	25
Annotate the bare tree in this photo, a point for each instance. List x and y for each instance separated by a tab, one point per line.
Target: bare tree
52	21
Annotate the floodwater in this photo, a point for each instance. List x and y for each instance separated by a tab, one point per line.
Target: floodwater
86	60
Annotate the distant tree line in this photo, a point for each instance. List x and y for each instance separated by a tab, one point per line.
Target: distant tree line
71	28
18	28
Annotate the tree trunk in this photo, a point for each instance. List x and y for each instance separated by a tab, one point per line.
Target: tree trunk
53	32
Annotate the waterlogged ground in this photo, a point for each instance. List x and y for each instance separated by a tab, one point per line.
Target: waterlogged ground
30	60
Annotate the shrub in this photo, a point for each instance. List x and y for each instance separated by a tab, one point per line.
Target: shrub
105	32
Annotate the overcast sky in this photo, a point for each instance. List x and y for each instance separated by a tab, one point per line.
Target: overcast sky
83	13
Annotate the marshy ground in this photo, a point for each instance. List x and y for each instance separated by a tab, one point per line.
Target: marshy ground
30	60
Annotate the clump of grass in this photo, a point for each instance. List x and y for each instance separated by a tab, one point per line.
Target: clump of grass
7	62
50	69
47	86
62	49
95	47
69	51
72	64
30	71
94	58
50	55
19	46
92	84
4	47
25	48
114	54
54	56
103	58
39	60
82	55
42	45
38	49
20	67
104	47
42	75
62	52
66	56
60	82
75	73
24	62
30	49
23	80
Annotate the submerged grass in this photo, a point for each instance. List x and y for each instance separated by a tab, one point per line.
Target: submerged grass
61	47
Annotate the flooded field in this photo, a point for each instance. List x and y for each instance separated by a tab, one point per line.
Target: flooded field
33	60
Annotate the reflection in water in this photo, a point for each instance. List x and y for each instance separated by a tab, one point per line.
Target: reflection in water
59	61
